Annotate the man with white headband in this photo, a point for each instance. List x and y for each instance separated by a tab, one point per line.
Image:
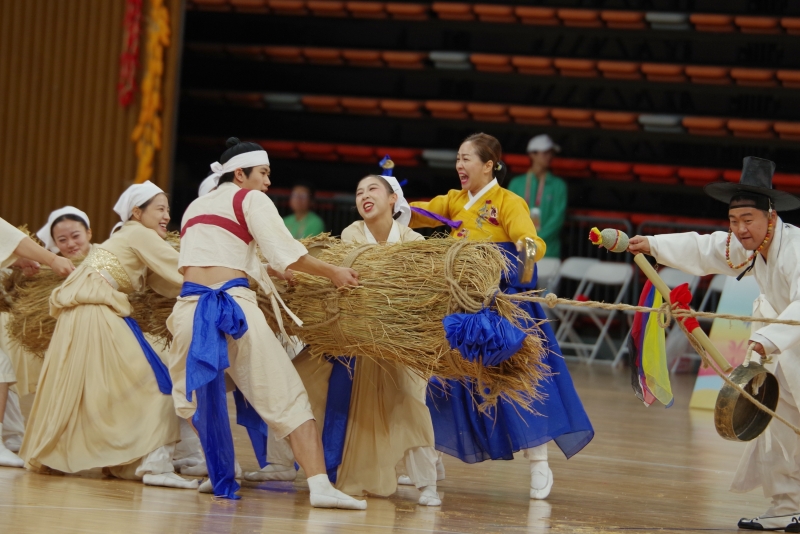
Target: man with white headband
218	328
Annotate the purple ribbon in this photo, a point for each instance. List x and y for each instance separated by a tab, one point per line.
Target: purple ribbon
437	217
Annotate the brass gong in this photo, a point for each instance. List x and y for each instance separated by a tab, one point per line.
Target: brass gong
735	417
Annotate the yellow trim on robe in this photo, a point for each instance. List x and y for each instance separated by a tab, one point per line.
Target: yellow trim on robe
499	215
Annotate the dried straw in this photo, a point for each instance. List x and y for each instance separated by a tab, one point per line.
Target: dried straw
396	313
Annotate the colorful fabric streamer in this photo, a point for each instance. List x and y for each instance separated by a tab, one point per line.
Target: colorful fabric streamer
484	335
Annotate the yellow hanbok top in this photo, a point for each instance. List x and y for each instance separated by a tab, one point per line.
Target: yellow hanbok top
493	214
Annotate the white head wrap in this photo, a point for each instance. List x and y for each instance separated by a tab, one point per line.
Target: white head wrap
241	161
45	234
401	206
207	185
134	196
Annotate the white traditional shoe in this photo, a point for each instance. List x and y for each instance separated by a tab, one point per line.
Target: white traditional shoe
14	443
541	480
429	497
169	480
272	472
9	459
199	469
206	487
404	480
789	523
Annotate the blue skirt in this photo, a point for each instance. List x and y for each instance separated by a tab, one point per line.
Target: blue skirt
462	431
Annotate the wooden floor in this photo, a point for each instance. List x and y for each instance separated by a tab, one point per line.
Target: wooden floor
648	469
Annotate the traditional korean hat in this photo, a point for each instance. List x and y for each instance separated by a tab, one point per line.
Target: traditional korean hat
754	188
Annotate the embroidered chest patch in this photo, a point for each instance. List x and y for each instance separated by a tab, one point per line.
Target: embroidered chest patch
487	213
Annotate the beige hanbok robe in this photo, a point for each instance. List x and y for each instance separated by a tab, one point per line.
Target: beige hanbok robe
97	402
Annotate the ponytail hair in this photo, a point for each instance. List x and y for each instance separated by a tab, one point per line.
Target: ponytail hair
488	148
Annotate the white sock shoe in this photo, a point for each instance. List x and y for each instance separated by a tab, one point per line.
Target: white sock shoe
405	480
169	480
9	459
199	469
429	497
14	443
206	487
324	495
541	479
272	472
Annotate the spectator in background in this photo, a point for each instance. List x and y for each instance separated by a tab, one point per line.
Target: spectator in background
303	222
545	193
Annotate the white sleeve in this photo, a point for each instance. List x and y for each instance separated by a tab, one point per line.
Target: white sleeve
698	254
783	336
268	229
10	239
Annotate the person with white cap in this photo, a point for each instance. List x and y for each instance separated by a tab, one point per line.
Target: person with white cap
103	398
20	251
218	328
544	192
374	413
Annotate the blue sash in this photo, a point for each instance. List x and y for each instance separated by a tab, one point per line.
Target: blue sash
159	369
216	316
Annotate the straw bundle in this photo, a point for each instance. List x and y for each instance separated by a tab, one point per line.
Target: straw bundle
12	279
396	313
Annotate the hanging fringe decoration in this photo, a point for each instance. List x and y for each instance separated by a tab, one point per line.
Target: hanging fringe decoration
147	133
129	58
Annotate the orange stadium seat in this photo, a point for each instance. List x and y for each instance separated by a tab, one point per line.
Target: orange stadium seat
754	77
707	22
356	154
530	115
405	60
623	20
453	10
617	120
212	5
619	70
791	25
731	175
494	13
401	108
748	24
325	56
319	151
446	110
250	100
402	157
572	168
280	149
581	18
659	72
250	6
517	163
321	104
362	58
612	170
573	118
403	11
361	106
284	54
544	16
656	174
751	128
787	182
706	74
788	130
536	66
491	62
789	78
245	51
366	10
488	112
288	7
697	177
583	68
705	126
326	8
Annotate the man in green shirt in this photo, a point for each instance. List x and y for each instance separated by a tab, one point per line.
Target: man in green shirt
545	193
303	222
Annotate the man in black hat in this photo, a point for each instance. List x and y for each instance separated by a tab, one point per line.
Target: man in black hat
767	248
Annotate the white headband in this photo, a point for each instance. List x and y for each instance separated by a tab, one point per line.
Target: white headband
133	197
45	233
241	161
207	185
401	206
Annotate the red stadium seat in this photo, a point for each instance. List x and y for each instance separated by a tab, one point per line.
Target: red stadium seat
581	18
284	54
517	163
658	72
789	78
617	120
751	128
697	177
250	6
491	62
494	13
754	77
280	149
403	11
322	104
401	108
250	100
324	56
731	175
582	68
530	115
536	66
788	130
623	20
787	182
612	170
791	25
656	174
405	60
453	10
366	10
573	118
362	58
402	157
361	106
705	22
619	70
326	8
446	110
488	112
639	218
705	126
544	16
571	168
357	154
705	74
749	24
287	7
318	151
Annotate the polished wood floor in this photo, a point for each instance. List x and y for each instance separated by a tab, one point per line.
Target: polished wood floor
647	470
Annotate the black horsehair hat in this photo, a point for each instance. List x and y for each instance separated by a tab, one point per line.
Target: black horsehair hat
755	182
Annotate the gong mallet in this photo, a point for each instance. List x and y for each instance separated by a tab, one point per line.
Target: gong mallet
617	241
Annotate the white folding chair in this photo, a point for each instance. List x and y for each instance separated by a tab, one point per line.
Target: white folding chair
605	274
547	268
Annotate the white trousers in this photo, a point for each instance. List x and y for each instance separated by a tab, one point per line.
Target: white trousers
189	446
13	421
421	465
536	454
